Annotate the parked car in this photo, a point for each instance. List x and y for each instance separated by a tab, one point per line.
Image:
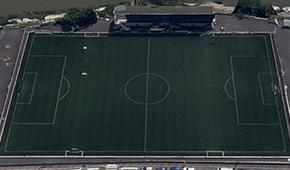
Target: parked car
175	168
161	168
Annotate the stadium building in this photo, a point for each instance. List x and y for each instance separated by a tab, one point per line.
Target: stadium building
160	18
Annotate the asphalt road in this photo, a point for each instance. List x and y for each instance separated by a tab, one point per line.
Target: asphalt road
262	163
8	56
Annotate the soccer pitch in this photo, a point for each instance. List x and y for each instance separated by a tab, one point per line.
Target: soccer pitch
147	95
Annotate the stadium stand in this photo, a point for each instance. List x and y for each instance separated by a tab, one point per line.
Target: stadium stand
160	18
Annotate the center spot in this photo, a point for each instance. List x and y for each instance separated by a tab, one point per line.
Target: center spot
147	88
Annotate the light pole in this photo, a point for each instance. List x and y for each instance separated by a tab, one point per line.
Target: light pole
214	42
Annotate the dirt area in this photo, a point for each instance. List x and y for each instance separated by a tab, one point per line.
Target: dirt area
220	8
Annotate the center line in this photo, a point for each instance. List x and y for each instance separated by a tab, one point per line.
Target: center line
147	85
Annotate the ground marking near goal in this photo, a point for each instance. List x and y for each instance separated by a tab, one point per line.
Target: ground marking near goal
236	101
57	100
59	89
34	82
261	90
72	151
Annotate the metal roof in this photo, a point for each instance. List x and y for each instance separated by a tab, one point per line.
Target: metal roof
164	10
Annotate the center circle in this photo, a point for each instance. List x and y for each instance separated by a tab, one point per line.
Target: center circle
147	89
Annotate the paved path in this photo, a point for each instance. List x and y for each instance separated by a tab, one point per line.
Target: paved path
7	59
64	163
232	23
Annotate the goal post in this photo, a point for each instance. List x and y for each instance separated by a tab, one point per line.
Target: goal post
74	152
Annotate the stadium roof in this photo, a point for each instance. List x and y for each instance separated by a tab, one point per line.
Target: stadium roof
161	10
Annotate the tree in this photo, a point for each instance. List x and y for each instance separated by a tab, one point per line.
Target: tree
4	21
77	18
107	12
254	7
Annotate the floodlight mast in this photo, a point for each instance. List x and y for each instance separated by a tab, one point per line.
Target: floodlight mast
222	30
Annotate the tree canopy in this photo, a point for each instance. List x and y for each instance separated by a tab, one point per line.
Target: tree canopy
77	18
255	8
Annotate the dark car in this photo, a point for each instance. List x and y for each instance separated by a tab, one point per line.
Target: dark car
161	168
175	168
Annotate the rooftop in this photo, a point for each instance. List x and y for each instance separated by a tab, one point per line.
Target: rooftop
161	10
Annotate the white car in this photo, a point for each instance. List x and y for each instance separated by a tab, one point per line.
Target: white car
186	168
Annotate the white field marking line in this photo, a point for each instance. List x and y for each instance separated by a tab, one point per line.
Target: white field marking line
147	86
79	33
125	89
168	89
10	127
7	139
59	89
261	90
33	86
16	123
91	36
68	88
207	155
225	87
62	35
48	56
29	51
39	151
278	112
260	124
248	56
141	74
236	99
57	100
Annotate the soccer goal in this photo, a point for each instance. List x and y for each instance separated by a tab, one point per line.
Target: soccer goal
74	152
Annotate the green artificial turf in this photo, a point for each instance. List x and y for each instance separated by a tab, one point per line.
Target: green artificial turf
147	95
